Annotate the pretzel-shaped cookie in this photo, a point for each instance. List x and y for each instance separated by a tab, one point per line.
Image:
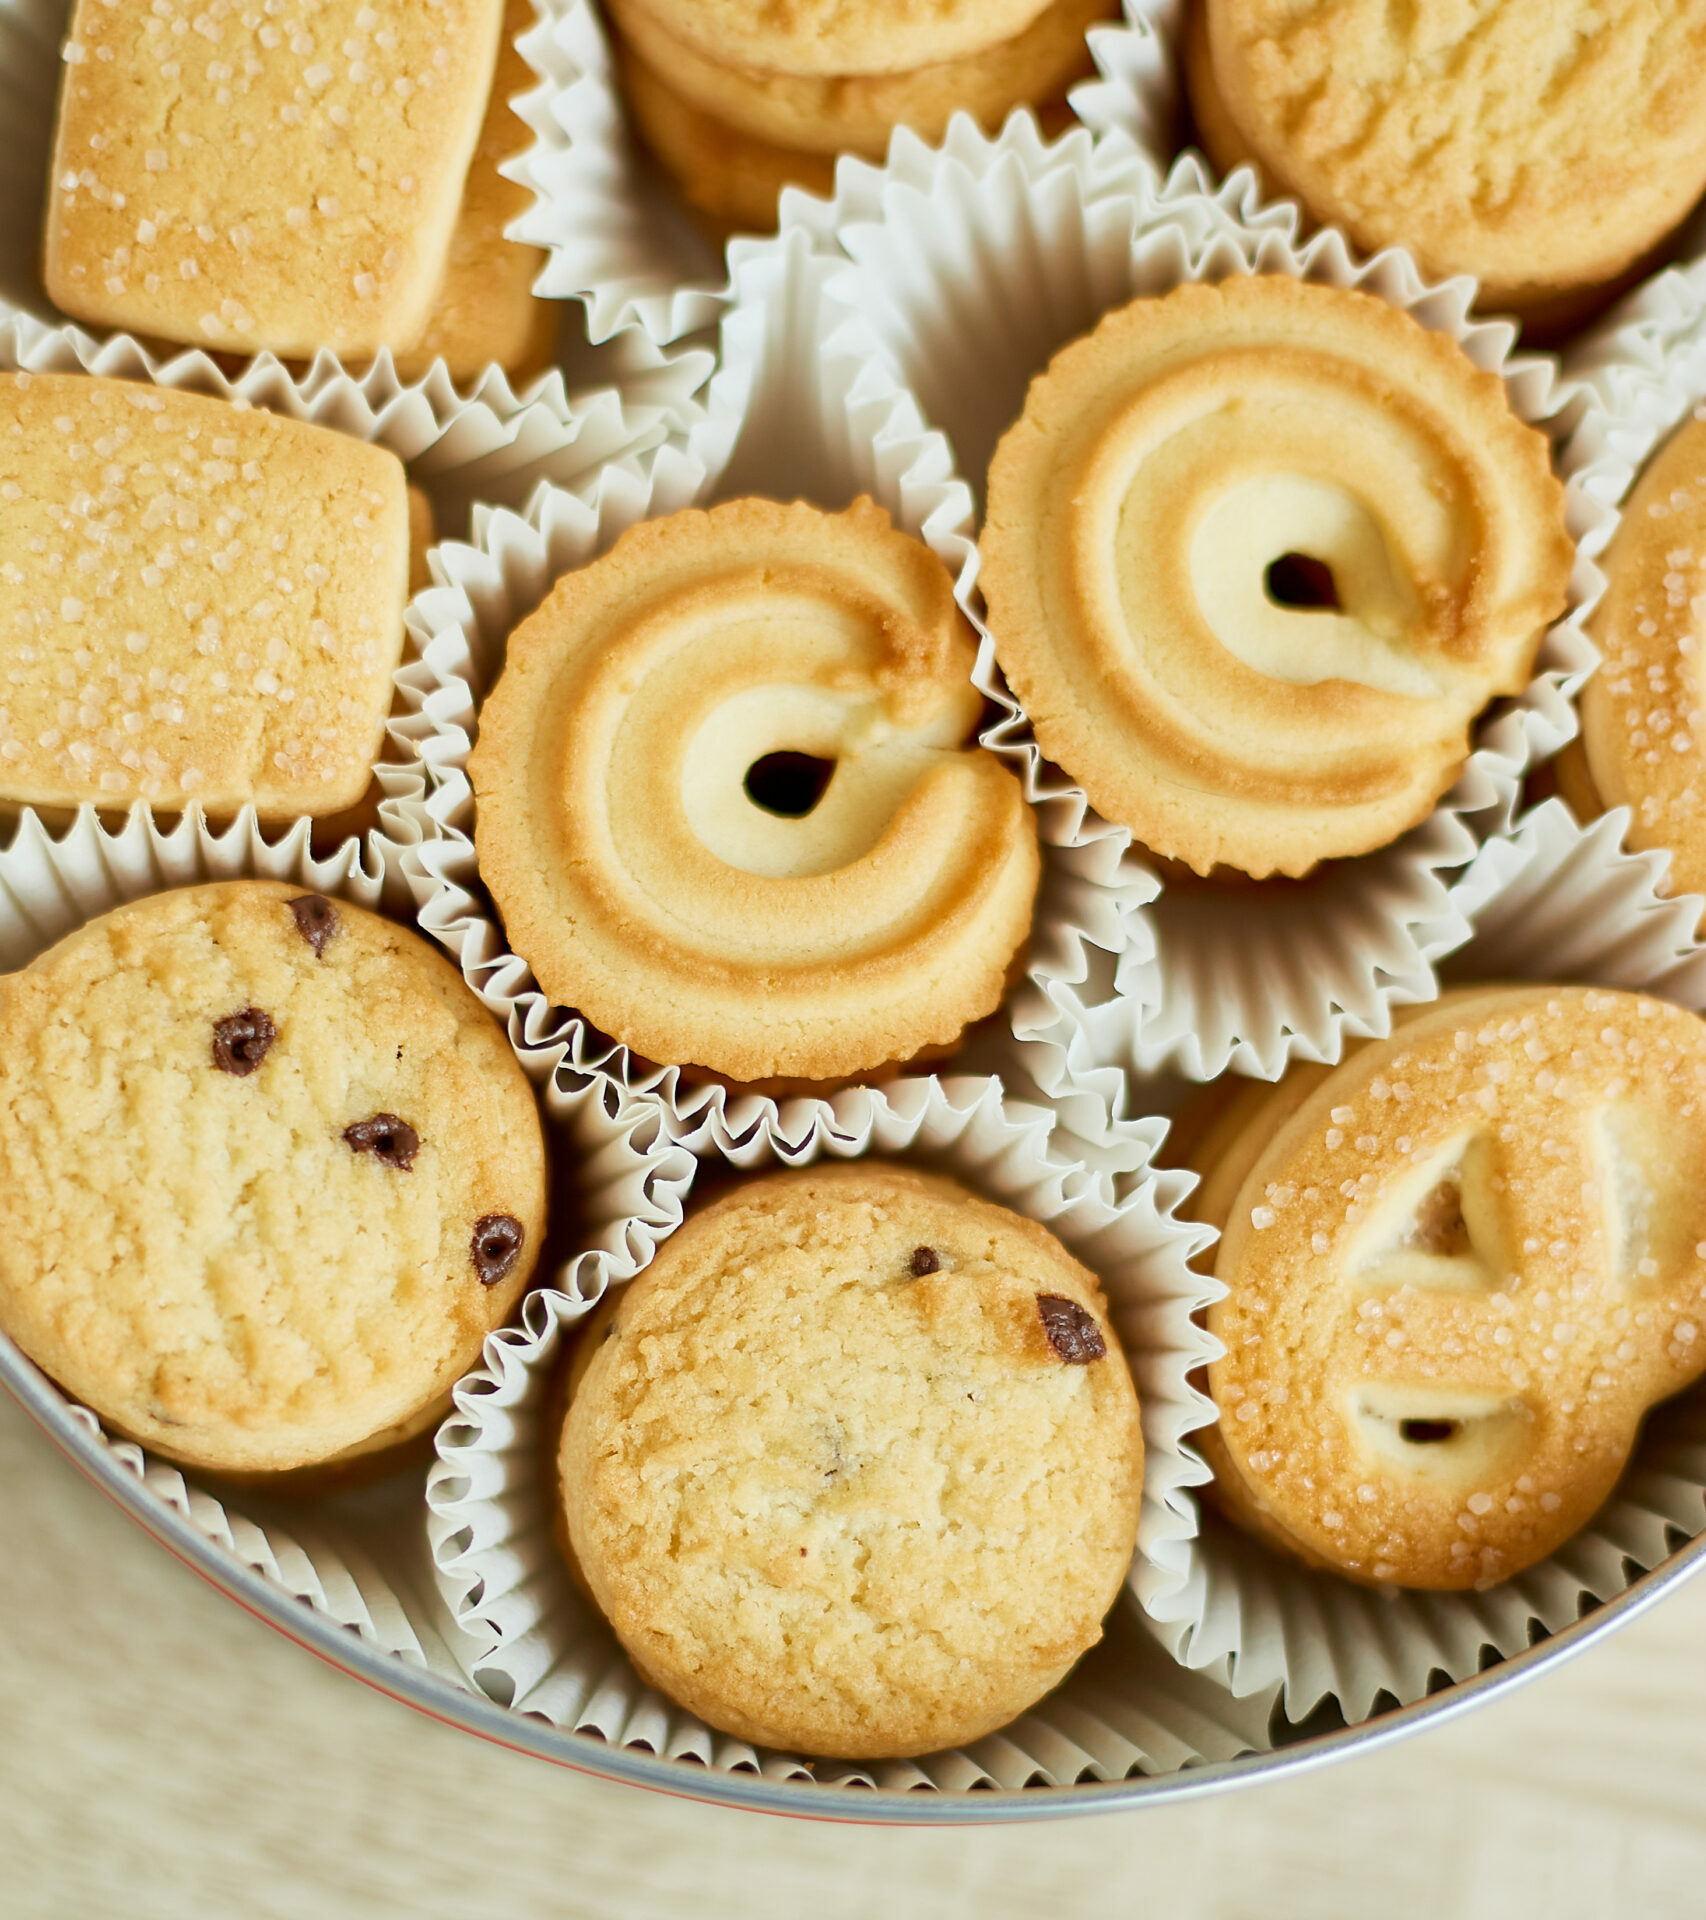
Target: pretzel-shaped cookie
1461	1266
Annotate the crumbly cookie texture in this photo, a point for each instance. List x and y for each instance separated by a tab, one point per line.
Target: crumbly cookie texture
1541	146
641	873
828	114
1256	556
854	1467
203	602
235	176
484	310
1461	1266
269	1173
840	36
1641	712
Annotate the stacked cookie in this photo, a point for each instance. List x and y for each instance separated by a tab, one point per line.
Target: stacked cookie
741	99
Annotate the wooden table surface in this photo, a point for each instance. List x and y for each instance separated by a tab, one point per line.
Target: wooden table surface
161	1753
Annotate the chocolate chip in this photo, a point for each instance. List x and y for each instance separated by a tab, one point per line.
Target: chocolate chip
386	1137
497	1245
240	1041
316	920
1072	1332
924	1261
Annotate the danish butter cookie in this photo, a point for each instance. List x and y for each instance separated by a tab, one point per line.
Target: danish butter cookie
1543	147
204	602
240	179
1641	712
854	1466
830	113
484	309
1256	556
839	36
726	808
269	1174
1461	1266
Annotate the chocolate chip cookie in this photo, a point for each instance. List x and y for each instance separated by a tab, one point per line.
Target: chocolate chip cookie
854	1467
269	1174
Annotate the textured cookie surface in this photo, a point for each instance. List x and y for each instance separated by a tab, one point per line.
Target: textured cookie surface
1256	556
650	875
268	1173
243	177
1460	1268
203	602
855	1469
1641	712
484	309
1537	145
840	36
835	113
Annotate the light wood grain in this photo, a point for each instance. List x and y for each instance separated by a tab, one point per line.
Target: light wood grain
162	1754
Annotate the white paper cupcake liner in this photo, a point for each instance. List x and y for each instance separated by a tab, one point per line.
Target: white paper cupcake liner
495	441
972	267
356	1556
1138	91
805	414
1126	1709
618	236
1576	908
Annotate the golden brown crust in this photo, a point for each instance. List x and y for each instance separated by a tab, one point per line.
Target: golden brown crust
1641	710
1541	147
204	602
835	1504
246	182
1461	1267
1164	465
855	113
484	310
731	180
840	36
193	1244
642	883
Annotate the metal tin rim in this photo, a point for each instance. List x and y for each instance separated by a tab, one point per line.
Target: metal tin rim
581	1753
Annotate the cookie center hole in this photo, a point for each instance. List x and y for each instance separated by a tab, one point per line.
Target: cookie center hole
1297	580
789	784
1421	1433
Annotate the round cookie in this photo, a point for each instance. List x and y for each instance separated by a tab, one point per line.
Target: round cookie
855	112
725	805
731	179
854	1467
1544	148
1641	712
269	1174
1256	556
1460	1267
840	36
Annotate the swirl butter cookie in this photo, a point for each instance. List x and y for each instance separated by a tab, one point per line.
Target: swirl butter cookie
839	36
269	1174
1545	148
1642	714
725	803
1256	556
854	1466
1460	1268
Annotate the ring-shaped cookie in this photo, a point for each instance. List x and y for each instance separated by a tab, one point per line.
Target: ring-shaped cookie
1460	1267
1256	556
622	822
